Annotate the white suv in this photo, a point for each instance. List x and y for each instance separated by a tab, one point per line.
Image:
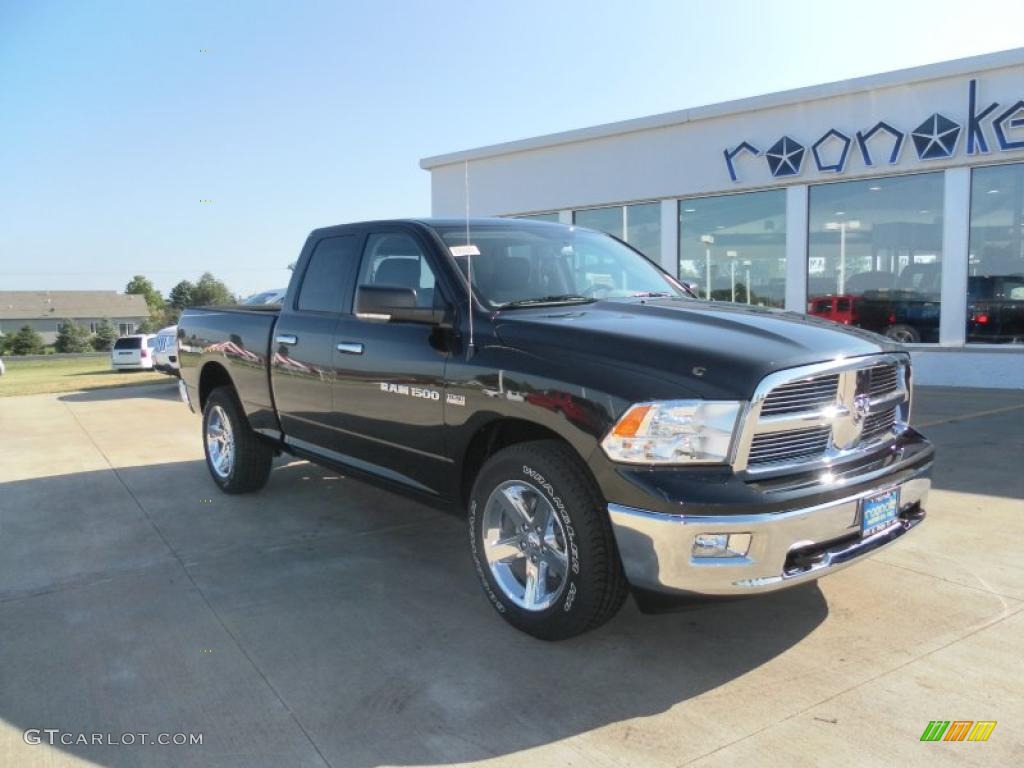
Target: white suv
133	353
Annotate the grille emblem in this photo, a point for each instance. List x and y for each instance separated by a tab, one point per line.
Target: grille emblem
850	413
861	408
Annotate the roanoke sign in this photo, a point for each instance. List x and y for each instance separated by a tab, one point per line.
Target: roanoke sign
935	138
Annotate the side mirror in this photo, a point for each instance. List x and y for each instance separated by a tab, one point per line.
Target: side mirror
387	304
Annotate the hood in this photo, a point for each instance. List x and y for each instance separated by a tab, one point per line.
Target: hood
712	350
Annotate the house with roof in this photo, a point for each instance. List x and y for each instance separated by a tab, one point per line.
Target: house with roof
44	311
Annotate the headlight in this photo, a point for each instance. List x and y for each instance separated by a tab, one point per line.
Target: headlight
674	432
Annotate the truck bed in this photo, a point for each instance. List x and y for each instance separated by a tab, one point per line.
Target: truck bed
241	335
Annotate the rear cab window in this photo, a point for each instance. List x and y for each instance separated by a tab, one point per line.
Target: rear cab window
128	343
327	283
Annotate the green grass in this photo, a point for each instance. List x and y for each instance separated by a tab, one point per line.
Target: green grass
33	377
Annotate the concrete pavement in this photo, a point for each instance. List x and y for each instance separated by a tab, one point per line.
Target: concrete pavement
323	622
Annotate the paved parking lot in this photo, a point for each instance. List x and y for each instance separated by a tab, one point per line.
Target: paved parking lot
325	623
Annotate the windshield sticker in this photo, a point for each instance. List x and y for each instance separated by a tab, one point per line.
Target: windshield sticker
464	250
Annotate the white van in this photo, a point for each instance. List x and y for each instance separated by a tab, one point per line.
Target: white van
133	353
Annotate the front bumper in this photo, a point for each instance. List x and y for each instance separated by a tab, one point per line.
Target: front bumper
786	547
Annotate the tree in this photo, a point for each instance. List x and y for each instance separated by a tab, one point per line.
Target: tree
106	335
181	295
71	337
209	291
143	287
26	342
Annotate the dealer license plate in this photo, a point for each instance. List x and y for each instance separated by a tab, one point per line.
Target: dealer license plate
879	512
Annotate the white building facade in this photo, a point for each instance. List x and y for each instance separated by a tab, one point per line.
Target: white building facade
893	202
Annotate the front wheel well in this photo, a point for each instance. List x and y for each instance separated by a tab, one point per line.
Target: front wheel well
493	437
212	376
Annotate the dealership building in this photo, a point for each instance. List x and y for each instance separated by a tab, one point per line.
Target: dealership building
893	202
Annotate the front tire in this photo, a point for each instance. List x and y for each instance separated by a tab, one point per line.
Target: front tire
238	460
542	543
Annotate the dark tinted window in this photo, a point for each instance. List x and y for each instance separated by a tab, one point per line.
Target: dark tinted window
132	342
327	284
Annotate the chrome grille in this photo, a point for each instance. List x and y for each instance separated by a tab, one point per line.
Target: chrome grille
819	414
883	379
801	395
879	423
786	446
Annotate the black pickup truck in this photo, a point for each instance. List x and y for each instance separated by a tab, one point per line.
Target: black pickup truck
600	428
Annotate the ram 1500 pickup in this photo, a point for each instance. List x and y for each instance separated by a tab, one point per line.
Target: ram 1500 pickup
599	427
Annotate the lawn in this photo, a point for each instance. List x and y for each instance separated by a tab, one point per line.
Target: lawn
30	377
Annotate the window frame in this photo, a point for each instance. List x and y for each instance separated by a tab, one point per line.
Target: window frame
967	344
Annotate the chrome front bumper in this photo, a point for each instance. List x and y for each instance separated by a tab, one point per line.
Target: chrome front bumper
786	548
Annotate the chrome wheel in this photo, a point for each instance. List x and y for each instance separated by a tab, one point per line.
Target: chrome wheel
525	545
904	334
220	442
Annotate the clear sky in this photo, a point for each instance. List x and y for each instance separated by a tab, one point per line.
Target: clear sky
115	123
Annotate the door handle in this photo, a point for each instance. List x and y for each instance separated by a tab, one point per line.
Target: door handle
350	347
287	338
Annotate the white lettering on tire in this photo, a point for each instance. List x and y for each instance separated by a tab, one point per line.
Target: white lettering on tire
563	513
475	550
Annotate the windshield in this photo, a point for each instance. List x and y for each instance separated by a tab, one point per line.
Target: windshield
521	264
266	297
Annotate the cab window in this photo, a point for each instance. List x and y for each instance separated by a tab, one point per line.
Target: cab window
327	283
395	259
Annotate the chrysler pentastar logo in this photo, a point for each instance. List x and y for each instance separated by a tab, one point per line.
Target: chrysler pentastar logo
785	157
935	137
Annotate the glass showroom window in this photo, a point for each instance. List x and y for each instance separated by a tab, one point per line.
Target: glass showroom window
995	274
638	224
733	247
875	255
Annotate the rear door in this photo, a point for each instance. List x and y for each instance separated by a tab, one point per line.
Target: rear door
389	391
302	350
128	350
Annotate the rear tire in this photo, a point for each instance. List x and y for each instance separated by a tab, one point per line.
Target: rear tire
238	460
537	518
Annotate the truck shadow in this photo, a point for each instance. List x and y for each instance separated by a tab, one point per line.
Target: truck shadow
153	604
157	390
